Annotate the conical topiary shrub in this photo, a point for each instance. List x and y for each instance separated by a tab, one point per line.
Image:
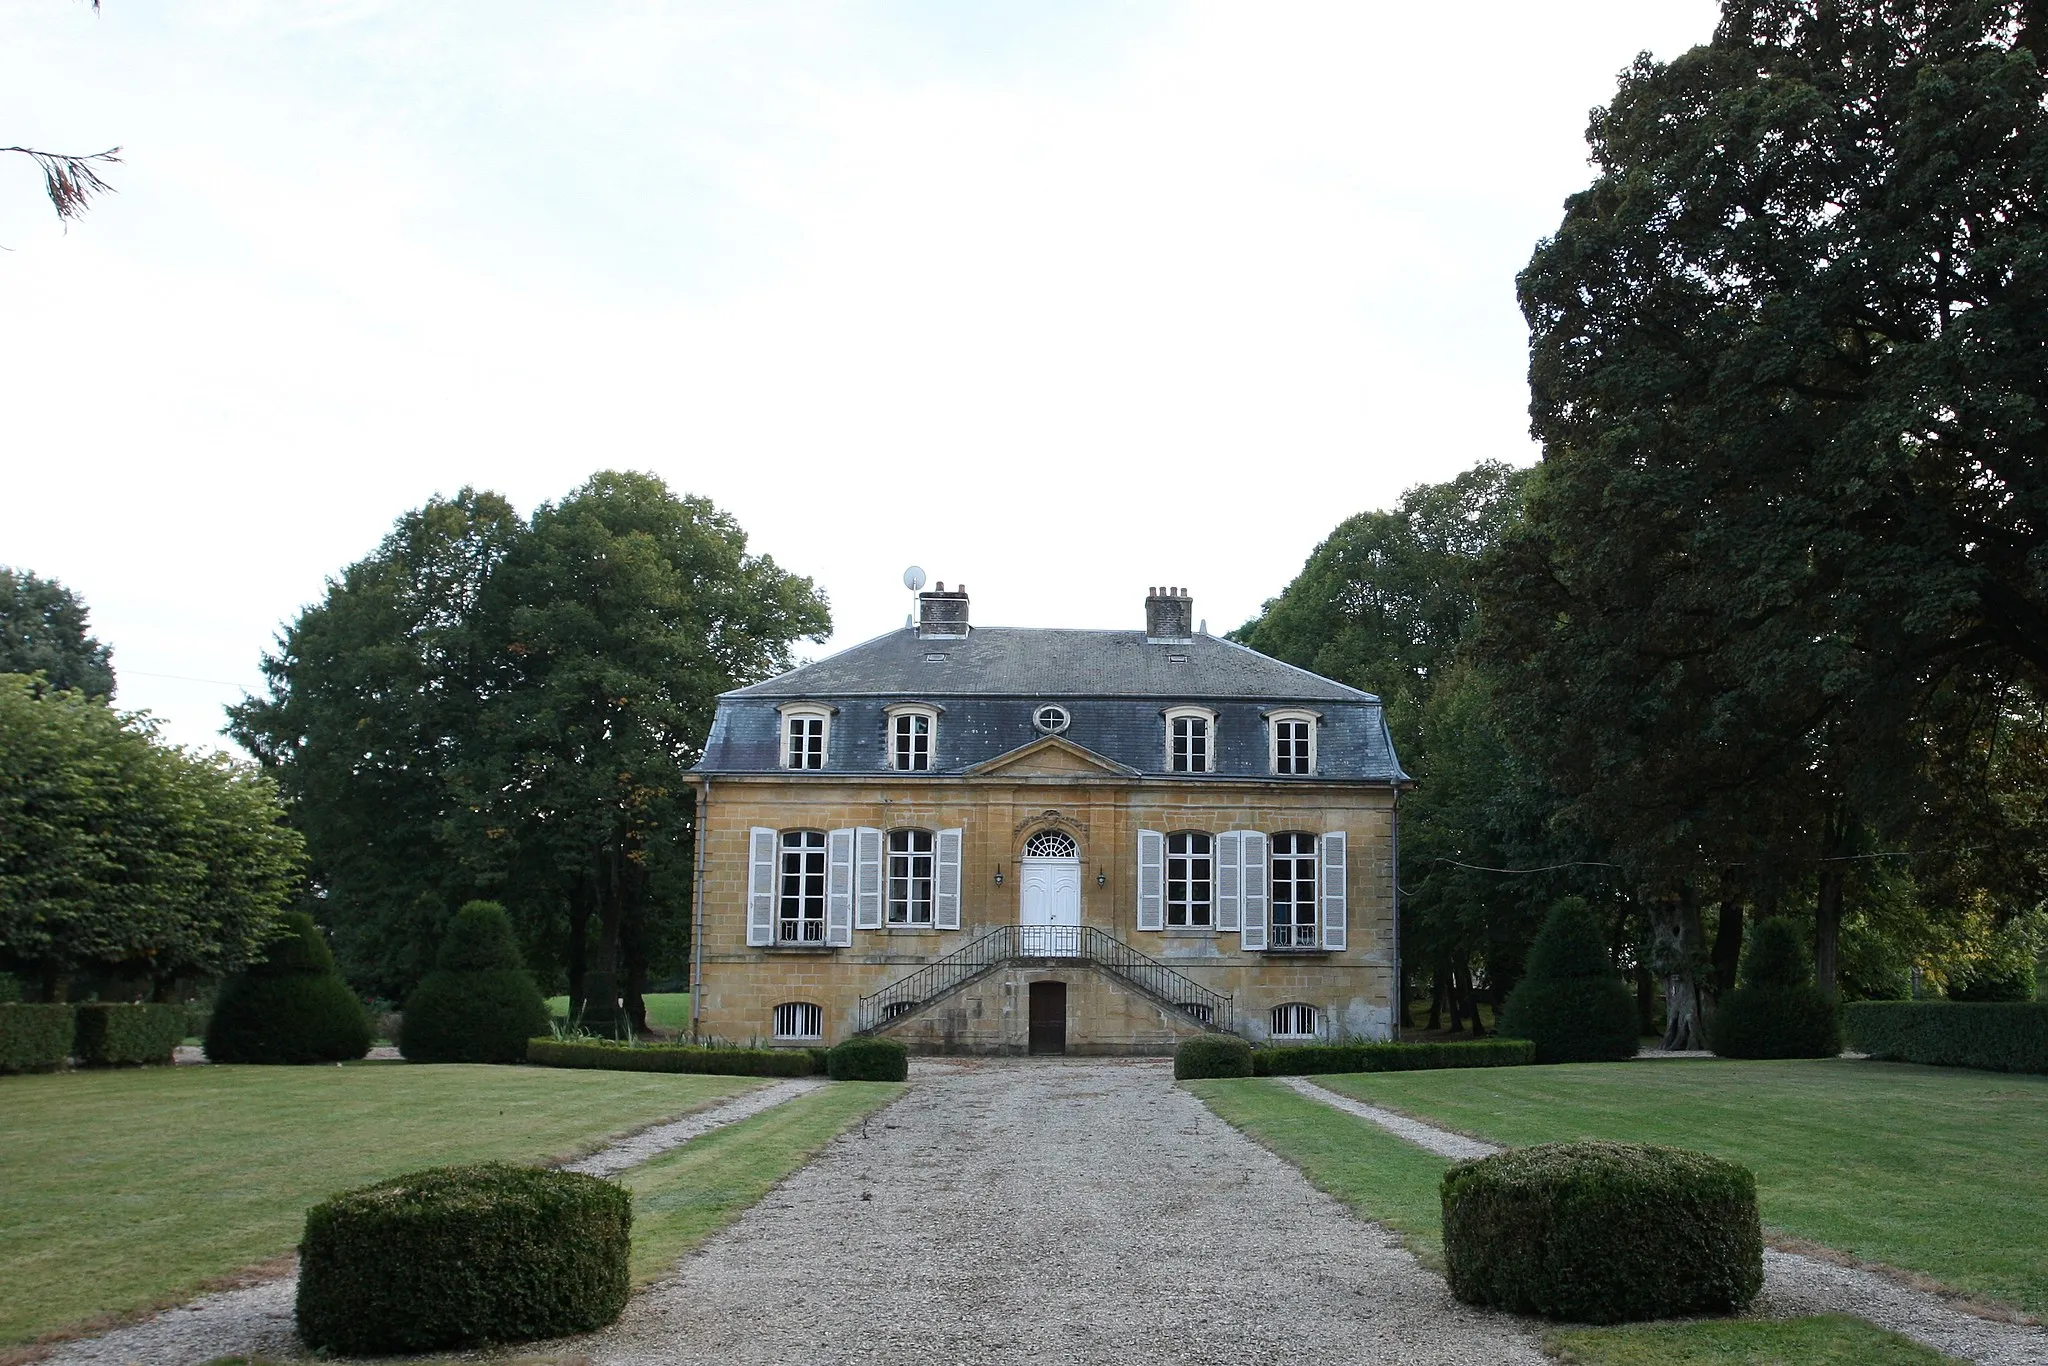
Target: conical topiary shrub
292	1007
1571	1003
479	1004
1776	1011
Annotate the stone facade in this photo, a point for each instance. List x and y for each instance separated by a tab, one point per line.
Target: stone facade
997	813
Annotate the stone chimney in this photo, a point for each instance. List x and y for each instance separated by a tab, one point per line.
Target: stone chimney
1169	615
940	613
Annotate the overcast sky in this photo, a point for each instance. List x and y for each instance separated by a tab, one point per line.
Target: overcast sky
1057	300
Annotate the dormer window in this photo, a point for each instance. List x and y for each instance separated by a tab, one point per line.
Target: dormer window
806	727
1291	742
1190	740
912	730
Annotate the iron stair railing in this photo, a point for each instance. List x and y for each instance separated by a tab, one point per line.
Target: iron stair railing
1008	944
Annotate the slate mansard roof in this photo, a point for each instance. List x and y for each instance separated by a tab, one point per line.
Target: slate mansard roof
988	683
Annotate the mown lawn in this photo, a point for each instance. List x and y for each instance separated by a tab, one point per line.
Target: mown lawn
684	1197
1395	1184
665	1010
1938	1170
123	1189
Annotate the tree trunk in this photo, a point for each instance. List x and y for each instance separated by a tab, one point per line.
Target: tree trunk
1461	982
1727	945
1436	1001
1827	929
1827	909
579	956
1403	1019
1676	951
1646	1001
601	1014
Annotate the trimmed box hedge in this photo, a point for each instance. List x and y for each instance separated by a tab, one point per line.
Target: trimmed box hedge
612	1056
464	1256
867	1059
1302	1060
36	1038
129	1035
1212	1055
1602	1232
1997	1036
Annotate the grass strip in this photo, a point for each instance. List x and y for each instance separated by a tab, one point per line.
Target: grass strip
685	1196
1935	1170
665	1009
1386	1179
126	1190
1822	1340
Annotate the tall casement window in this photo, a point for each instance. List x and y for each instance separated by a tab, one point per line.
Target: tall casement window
1294	1021
910	877
1294	891
1190	740
910	742
1190	878
799	1020
1293	743
801	904
803	736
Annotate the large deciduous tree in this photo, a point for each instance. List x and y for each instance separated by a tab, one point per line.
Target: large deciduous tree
1787	368
490	706
122	856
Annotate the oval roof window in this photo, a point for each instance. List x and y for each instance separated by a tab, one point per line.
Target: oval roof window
1051	718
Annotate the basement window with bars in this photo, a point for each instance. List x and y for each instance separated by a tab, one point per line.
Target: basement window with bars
799	1020
1294	1021
802	900
1201	1010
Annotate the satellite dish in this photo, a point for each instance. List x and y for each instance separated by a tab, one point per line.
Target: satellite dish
913	578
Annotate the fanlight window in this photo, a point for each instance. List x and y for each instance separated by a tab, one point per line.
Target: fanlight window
1052	844
1294	1021
799	1020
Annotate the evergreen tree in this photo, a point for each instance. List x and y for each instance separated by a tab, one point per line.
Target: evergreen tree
43	630
291	1007
1571	1002
480	1003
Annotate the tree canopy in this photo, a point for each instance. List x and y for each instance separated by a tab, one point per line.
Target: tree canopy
504	707
43	630
122	856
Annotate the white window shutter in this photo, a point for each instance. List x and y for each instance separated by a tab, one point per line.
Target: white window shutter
1254	889
867	879
1336	872
1151	880
839	888
1229	879
760	886
946	894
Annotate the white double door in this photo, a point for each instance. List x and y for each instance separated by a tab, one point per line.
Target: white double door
1049	907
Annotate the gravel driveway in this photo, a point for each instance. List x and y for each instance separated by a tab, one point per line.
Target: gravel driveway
1053	1211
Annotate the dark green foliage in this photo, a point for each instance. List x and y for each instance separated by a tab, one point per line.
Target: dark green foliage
2003	977
1602	1232
1998	1037
293	1007
35	1038
129	1035
865	1059
611	1056
464	1256
1212	1055
480	1004
1777	1011
1572	1003
43	631
821	1061
1304	1060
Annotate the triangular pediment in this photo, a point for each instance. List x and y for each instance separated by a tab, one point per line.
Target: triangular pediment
1051	757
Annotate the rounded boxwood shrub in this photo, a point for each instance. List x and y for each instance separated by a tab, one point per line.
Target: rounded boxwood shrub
1777	1011
293	1007
865	1059
458	1256
1571	1003
1212	1055
1602	1232
479	1004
